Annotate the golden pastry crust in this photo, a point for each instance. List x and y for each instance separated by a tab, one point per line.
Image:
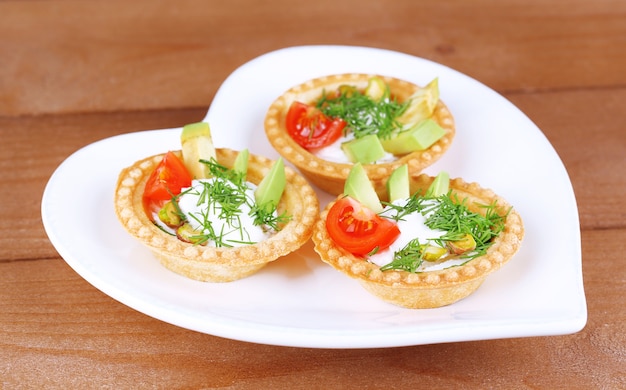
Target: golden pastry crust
433	288
209	263
331	176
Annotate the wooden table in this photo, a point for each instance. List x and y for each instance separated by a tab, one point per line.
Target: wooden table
72	73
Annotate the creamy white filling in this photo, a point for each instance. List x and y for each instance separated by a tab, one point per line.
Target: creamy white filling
236	231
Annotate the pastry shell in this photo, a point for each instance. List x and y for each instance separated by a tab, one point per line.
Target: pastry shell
432	288
207	263
330	176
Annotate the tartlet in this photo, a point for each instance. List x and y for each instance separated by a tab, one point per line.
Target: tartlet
330	176
429	289
217	264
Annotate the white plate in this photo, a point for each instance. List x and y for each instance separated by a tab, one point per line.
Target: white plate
300	301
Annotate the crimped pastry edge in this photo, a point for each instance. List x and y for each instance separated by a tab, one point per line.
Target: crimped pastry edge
208	263
330	176
433	288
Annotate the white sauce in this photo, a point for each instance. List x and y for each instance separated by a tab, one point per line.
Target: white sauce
234	231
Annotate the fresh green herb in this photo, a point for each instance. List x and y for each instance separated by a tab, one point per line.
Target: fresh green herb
374	251
265	216
414	204
218	170
164	230
445	213
454	217
363	115
177	210
222	197
408	258
225	196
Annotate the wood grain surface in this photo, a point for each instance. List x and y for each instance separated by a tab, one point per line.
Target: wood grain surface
74	72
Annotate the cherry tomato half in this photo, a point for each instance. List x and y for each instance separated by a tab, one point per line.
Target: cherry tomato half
358	229
166	180
310	128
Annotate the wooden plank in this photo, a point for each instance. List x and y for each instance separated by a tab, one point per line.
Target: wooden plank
65	56
58	330
36	146
586	129
72	73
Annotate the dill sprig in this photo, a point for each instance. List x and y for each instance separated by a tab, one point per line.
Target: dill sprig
454	217
415	203
218	170
408	258
264	216
225	197
363	115
446	213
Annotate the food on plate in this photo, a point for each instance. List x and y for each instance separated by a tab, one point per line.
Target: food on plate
326	125
214	214
430	243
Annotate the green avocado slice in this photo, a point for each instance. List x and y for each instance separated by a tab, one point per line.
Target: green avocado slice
197	144
420	137
366	150
240	166
359	187
398	184
270	189
439	186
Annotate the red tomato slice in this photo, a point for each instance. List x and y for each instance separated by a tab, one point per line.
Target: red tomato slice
358	229
166	180
310	128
